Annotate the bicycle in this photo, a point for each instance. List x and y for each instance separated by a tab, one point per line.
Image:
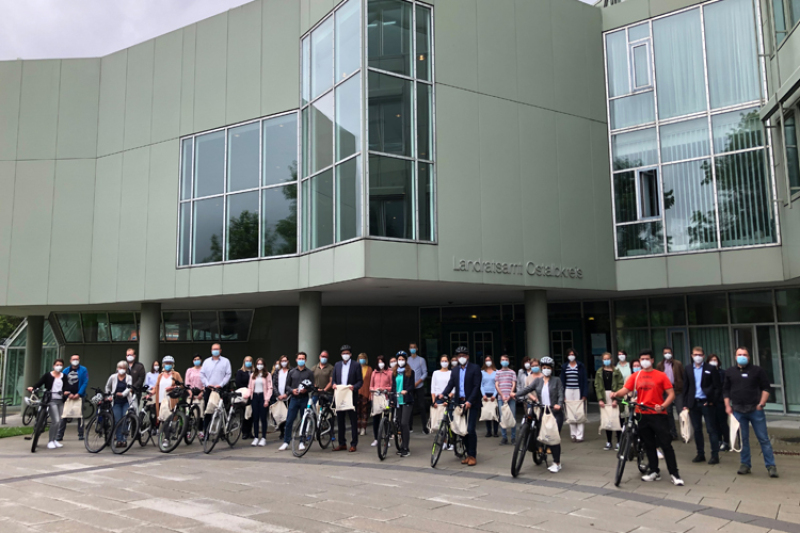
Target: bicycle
630	443
87	411
527	439
226	424
41	414
31	408
445	438
100	428
183	422
389	425
314	424
128	425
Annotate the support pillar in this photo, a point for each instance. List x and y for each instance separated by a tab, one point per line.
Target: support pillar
149	333
309	321
33	350
537	331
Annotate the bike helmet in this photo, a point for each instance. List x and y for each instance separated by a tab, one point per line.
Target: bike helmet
168	359
305	384
345	348
546	361
462	349
401	352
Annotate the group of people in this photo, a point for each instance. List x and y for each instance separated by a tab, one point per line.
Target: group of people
703	389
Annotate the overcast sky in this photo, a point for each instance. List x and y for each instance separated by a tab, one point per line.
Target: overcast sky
39	29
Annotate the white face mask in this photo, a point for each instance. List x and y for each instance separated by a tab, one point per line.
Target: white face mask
345	357
58	368
392	364
546	372
646	363
667	356
121	371
75	363
462	360
444	364
571	358
381	366
713	363
130	358
698	359
284	364
401	363
260	367
622	357
488	363
527	366
454	364
155	368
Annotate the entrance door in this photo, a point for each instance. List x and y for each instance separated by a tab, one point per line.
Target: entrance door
678	340
762	342
561	340
458	338
484	345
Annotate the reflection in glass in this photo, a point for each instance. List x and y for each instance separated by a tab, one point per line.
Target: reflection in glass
751	307
424	121
348	199
640	239
685	140
280	149
243	157
641	66
306	89
389	37
633	341
242	230
279	220
348	39
633	110
123	327
630	313
625	197
713	340
423	53
205	326
636	33
320	134
769	359
70	326
391	197
689	206
667	311
318	211
391	114
617	64
184	232
322	58
649	204
95	327
235	325
792	153
176	326
790	355
788	304
678	47
187	150
348	117
207	231
707	309
425	201
737	130
209	164
634	149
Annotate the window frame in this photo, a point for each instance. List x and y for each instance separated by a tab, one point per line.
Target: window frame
632	46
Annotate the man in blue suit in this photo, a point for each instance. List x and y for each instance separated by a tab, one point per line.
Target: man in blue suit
347	373
466	381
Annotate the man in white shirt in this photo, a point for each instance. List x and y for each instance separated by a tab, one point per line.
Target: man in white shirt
215	373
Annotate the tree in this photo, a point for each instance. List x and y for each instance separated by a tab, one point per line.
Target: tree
8	324
243	236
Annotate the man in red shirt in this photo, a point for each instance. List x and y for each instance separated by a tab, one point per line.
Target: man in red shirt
654	390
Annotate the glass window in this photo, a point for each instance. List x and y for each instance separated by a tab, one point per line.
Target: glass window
633	341
318	211
641	65
780	19
713	341
633	110
391	197
750	307
187	150
320	134
306	89
176	326
205	326
391	114
640	239
731	53
625	197
322	58
209	163
280	149
792	154
184	231
685	140
564	310
689	206
637	33
235	325
279	220
738	130
70	326
242	230
790	355
207	231
707	309
243	157
424	121
348	39
634	149
348	199
389	35
95	327
678	47
630	313
348	117
617	64
788	304
423	53
123	327
649	206
667	311
425	201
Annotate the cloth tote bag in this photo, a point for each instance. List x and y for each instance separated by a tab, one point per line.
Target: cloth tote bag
735	434
459	421
576	412
343	397
435	419
548	432
489	412
73	409
213	402
279	412
687	431
507	419
609	419
378	404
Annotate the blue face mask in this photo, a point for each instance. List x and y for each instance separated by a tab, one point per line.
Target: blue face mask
248	364
215	353
197	363
741	359
636	369
301	362
167	368
536	370
504	364
606	362
413	350
323	360
362	361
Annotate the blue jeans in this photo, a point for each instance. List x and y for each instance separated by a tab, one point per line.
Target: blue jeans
512	403
759	421
120	409
296	404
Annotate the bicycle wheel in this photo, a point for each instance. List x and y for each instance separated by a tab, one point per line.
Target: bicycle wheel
325	429
98	431
384	434
38	429
27	415
234	428
439	442
212	434
192	425
459	446
520	449
88	409
144	432
640	456
622	456
303	435
128	429
171	431
539	451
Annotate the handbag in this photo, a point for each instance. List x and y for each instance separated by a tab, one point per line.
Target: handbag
548	432
73	409
687	431
213	402
576	412
735	434
279	411
489	411
507	418
248	412
378	404
435	418
458	421
164	411
343	397
609	419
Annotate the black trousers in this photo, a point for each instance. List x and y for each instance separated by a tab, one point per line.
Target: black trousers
471	440
421	407
340	419
404	417
655	433
259	420
697	414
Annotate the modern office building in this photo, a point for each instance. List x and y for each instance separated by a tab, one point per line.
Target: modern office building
517	176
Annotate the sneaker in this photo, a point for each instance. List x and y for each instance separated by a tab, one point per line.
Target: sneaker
723	447
676	480
262	442
772	471
652	476
200	435
405	453
255	442
374	443
80	437
698	459
362	432
59	445
51	445
301	446
488	435
661	455
616	447
427	431
450	448
743	470
607	446
283	447
411	431
554	468
399	452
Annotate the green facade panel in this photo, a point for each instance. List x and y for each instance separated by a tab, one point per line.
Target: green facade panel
243	94
10	87
7	179
132	254
111	121
162	222
106	238
79	96
210	73
167	65
280	68
139	95
38	110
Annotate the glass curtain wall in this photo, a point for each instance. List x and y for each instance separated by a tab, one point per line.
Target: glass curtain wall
785	15
689	155
238	192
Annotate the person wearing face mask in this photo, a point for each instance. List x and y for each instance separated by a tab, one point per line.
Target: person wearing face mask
703	390
465	382
392	363
608	380
722	417
420	368
576	387
119	386
404	386
193	380
675	372
439	379
488	392
549	391
242	380
746	392
215	373
260	386
536	373
151	377
136	369
505	382
347	373
636	366
167	380
364	395
53	381
453	362
298	395
279	391
323	375
380	380
524	372
76	379
625	368
654	390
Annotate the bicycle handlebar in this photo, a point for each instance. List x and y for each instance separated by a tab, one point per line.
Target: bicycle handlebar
639	405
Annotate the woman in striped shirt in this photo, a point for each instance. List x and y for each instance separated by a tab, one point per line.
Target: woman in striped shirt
506	382
489	391
573	375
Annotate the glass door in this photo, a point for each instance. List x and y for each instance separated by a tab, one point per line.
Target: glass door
678	340
762	342
458	338
484	345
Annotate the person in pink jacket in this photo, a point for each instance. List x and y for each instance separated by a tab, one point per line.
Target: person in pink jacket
381	380
260	393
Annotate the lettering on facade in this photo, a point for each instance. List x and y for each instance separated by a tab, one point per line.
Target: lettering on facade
517	269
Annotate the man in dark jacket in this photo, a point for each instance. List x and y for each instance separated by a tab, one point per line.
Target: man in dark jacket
701	393
136	369
465	380
675	371
299	381
347	373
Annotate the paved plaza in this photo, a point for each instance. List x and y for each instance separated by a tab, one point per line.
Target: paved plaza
254	490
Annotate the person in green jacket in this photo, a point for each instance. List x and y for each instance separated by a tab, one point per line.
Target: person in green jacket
607	380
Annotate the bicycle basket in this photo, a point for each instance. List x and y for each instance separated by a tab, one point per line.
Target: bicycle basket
97	399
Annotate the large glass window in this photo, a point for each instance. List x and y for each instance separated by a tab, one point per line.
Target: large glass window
786	14
792	152
391	197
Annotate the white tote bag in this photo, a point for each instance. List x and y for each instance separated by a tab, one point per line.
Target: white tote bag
378	403
459	421
507	419
279	412
248	412
73	409
576	412
213	402
164	411
548	432
489	412
435	419
735	434
609	419
687	431
343	397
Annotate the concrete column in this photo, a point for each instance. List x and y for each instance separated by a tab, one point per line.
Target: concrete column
149	333
537	331
309	330
33	351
